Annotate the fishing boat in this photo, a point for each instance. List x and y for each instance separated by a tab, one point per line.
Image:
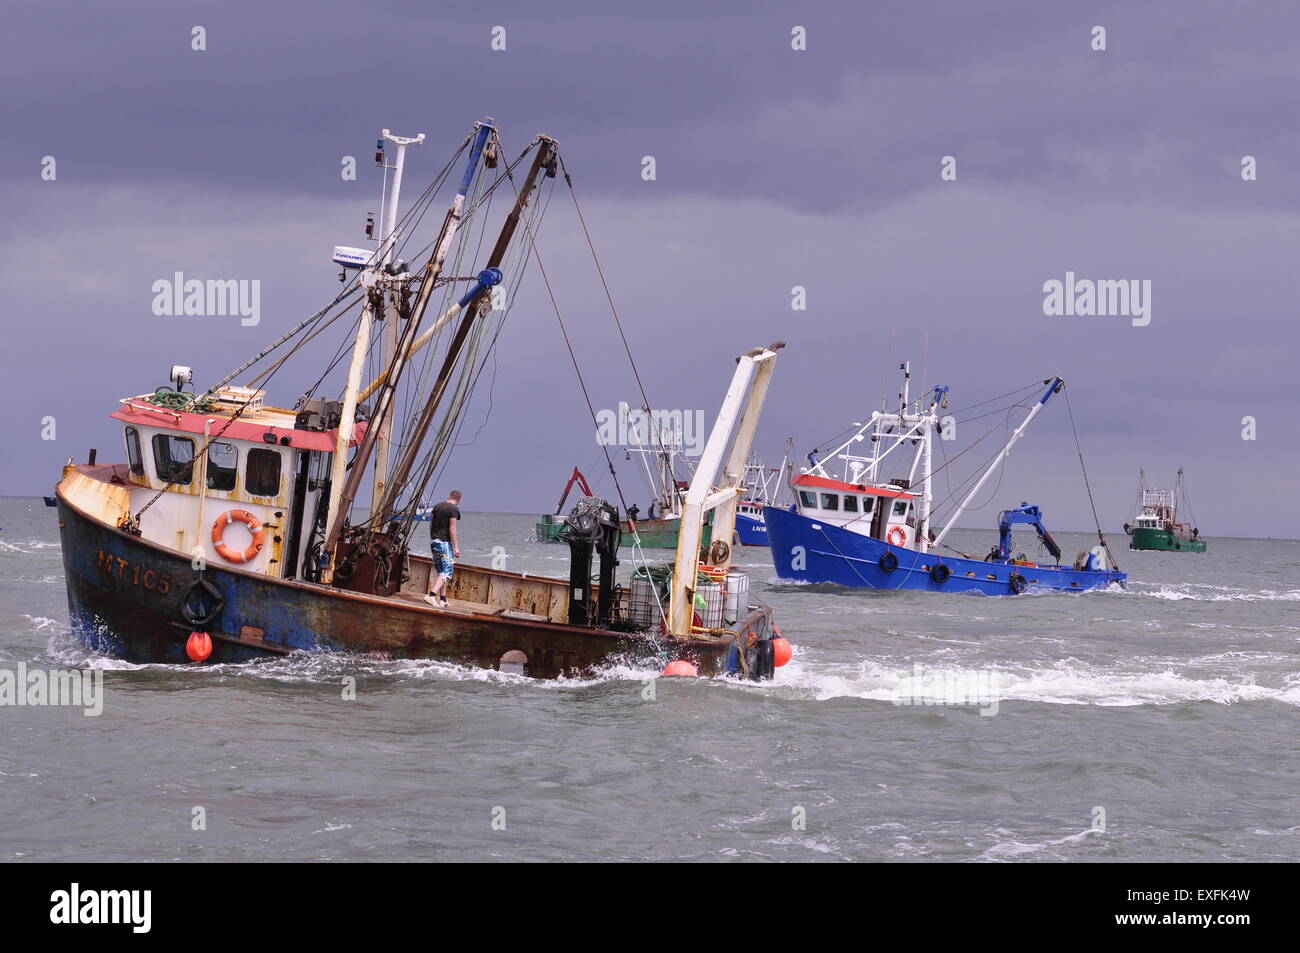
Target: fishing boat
638	532
763	486
232	530
658	527
856	528
423	513
1156	525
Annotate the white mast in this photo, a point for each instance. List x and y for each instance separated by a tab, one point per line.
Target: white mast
383	439
702	497
347	420
1055	385
927	492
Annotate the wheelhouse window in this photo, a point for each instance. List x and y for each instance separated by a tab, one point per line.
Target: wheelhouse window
900	507
850	503
173	459
223	464
830	501
262	477
808	499
133	455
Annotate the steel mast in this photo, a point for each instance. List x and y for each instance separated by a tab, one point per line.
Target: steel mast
1053	387
384	426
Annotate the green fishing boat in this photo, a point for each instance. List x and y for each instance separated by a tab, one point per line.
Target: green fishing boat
1156	525
653	533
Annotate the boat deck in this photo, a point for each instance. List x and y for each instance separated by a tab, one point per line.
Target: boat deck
465	607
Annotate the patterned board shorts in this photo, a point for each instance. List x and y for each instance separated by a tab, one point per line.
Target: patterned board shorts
443	561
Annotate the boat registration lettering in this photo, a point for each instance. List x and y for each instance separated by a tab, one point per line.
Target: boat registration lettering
152	579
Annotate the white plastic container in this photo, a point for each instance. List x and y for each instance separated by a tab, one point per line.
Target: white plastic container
735	602
711	612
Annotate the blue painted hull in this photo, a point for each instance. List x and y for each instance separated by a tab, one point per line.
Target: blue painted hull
806	550
750	531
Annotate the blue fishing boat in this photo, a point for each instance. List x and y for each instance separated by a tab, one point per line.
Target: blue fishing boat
762	487
857	529
751	527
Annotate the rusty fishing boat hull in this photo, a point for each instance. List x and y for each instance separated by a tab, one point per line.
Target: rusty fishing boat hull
140	601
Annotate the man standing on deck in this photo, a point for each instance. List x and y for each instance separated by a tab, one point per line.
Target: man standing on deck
443	522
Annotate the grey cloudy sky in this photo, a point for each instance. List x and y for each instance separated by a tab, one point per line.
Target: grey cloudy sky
775	168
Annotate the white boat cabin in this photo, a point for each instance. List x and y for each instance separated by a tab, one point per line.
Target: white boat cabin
1151	520
255	500
884	511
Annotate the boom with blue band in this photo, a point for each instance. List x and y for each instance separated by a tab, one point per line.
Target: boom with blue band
486	279
480	140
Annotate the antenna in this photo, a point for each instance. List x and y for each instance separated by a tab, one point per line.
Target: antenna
390	209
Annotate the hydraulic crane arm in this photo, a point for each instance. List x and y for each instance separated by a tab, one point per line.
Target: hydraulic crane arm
1032	515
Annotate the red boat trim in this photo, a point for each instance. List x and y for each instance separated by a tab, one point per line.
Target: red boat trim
325	440
807	479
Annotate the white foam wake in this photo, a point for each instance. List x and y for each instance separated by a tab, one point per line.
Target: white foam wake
1069	682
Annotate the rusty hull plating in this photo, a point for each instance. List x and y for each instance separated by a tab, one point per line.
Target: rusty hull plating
138	600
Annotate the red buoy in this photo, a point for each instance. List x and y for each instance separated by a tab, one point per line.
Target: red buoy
198	646
782	651
682	669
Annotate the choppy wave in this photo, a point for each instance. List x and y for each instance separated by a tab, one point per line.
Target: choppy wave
1221	678
1068	682
1008	850
27	547
331	667
1219	594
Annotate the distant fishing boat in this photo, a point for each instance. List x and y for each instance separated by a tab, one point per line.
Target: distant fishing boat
422	513
763	486
649	533
657	527
859	529
1156	525
233	531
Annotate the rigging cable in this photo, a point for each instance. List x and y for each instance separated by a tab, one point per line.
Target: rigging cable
555	306
1101	536
608	294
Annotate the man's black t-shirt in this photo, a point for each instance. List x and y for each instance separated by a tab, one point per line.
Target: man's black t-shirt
440	518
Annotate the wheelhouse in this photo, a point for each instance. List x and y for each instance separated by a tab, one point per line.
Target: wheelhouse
885	511
255	469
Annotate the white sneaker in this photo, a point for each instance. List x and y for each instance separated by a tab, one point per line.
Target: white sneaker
433	601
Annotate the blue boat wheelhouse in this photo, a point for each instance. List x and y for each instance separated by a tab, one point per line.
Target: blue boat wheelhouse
854	528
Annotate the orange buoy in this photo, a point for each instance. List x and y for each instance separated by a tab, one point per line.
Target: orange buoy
198	646
682	669
782	651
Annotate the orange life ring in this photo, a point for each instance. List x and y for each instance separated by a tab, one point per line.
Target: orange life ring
254	526
902	536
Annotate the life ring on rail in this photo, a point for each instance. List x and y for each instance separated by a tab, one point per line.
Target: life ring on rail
254	526
902	536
